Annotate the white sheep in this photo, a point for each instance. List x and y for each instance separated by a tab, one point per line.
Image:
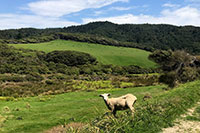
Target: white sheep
119	103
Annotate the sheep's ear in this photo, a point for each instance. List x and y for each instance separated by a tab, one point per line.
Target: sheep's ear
109	94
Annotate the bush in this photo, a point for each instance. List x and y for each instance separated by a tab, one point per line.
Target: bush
49	82
7	98
73	71
178	66
169	79
21	61
70	58
34	77
12	78
189	74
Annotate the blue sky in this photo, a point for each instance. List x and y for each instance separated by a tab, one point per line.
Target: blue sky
60	13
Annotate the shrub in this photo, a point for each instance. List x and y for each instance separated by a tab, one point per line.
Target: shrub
169	79
7	98
34	77
73	71
178	66
70	58
85	70
49	82
12	78
189	74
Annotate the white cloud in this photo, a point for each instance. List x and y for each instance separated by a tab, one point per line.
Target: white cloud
129	8
49	15
59	8
101	12
182	16
97	13
124	19
171	5
10	21
121	8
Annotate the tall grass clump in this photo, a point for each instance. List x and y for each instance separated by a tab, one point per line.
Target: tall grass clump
152	115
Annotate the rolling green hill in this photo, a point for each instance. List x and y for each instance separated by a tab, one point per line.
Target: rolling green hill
105	54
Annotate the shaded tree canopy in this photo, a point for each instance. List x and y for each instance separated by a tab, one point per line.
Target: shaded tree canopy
178	66
70	58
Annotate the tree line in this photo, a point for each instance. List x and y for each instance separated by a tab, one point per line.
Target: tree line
144	36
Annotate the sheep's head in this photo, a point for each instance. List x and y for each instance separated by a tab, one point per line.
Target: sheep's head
105	96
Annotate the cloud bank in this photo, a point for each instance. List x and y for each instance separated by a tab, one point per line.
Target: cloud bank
13	21
58	8
181	16
51	13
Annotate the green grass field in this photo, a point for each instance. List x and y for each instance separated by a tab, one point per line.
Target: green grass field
105	54
48	111
38	114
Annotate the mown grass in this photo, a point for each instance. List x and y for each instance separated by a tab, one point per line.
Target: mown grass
105	54
37	114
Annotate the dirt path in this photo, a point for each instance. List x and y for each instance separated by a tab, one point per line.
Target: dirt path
185	126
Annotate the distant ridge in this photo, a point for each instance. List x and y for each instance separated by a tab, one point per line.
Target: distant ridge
158	36
144	36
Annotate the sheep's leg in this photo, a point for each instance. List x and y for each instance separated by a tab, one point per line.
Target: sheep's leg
130	105
132	110
114	113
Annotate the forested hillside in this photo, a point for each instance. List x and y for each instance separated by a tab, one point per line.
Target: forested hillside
143	36
160	36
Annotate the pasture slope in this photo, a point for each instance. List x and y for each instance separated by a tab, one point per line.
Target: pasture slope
37	114
40	113
105	54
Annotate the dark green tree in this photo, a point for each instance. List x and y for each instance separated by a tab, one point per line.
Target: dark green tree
177	66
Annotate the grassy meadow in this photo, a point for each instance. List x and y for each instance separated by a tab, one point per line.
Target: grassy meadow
40	113
105	54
